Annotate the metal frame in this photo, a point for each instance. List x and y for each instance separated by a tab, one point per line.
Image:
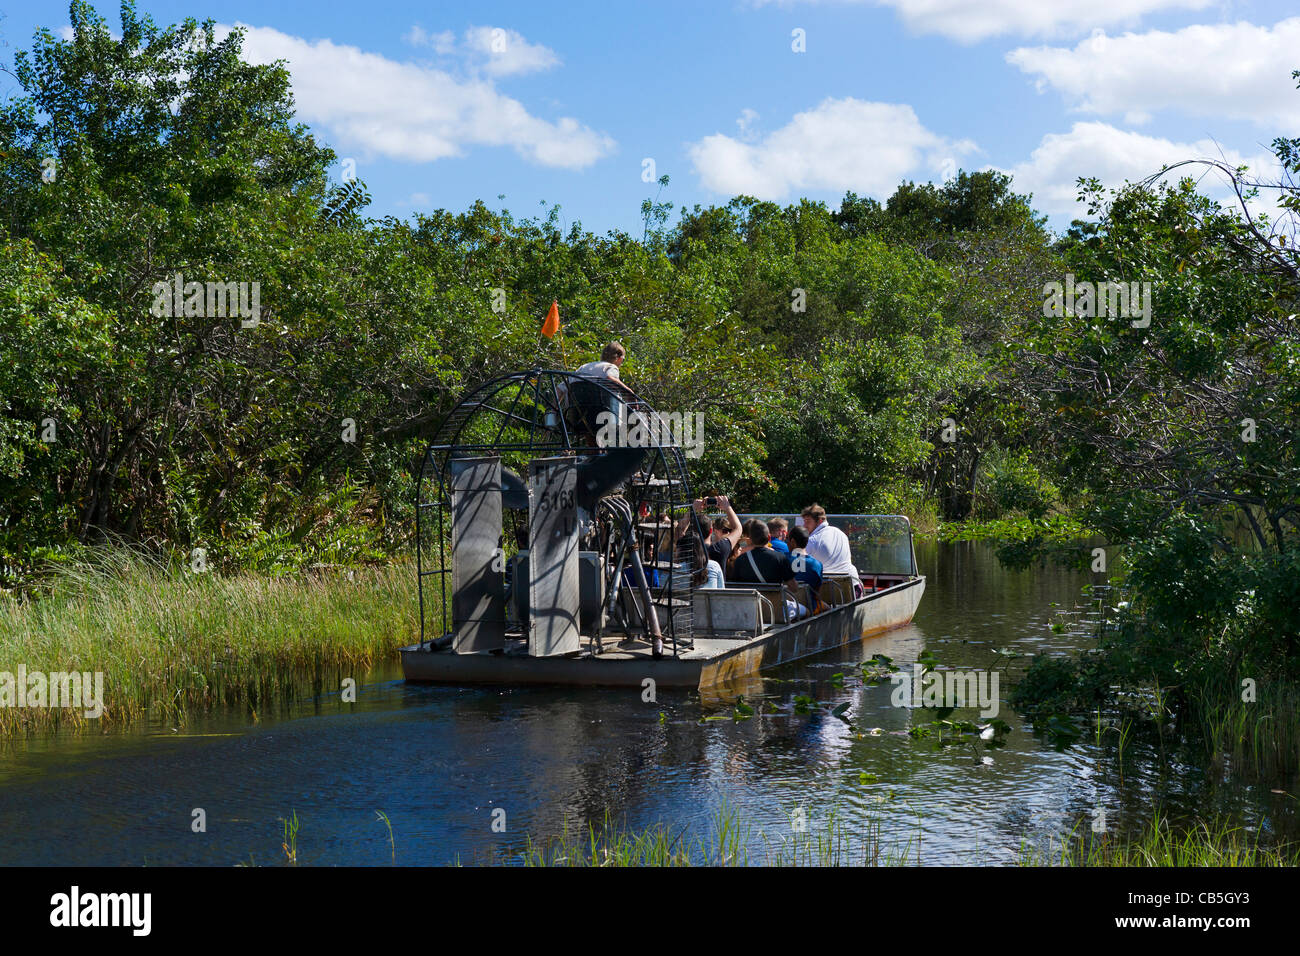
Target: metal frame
520	416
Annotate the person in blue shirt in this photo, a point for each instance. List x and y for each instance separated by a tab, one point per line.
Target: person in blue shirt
806	570
776	529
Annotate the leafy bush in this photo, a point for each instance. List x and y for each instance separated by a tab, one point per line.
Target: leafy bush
1013	483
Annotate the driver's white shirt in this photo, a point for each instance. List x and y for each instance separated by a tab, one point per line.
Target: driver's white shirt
590	370
598	370
830	546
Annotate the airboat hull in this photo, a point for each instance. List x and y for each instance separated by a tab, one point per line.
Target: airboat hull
713	662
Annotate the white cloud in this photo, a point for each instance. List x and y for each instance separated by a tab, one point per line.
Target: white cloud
415	112
1115	156
492	50
1234	70
969	21
442	43
506	53
840	144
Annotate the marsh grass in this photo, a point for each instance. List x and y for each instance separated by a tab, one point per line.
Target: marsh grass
290	844
1258	739
172	643
833	842
828	843
392	844
1161	844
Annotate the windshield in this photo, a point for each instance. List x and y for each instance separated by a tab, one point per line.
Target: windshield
880	544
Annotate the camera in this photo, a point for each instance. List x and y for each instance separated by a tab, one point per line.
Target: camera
711	501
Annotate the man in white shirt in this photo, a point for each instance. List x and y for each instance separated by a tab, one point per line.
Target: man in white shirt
610	359
829	545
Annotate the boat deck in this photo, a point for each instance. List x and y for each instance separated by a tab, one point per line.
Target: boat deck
712	660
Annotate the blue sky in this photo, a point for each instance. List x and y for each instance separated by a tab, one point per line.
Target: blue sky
440	104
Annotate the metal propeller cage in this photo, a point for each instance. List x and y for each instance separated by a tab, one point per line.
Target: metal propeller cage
547	413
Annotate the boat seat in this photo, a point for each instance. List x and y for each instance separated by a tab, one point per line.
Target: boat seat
837	589
735	612
804	595
775	595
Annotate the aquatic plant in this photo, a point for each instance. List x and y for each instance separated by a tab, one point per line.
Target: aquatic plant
290	844
804	704
392	845
1256	734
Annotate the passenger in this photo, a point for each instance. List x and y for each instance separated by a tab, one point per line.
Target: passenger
830	546
806	570
759	564
710	575
726	532
741	547
707	572
776	527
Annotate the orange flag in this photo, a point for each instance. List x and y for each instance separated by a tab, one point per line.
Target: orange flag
552	323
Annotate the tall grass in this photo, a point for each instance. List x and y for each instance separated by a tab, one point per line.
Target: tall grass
1159	844
1258	739
830	843
835	843
171	643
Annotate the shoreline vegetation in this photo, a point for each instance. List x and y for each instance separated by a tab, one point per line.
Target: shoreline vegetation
173	644
1063	527
833	843
733	842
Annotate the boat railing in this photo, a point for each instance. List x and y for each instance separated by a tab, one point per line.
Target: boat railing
881	545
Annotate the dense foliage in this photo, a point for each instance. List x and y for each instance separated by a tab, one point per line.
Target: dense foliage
817	343
1183	433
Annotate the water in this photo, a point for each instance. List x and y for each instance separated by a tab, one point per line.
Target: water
441	762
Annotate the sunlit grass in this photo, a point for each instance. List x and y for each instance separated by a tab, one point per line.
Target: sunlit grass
1160	844
171	643
834	842
731	842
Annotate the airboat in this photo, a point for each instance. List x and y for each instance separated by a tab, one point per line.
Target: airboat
557	544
